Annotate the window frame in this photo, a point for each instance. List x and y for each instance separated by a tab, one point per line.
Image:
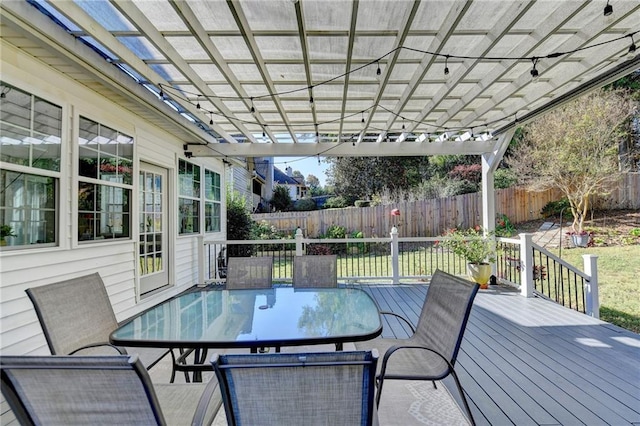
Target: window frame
102	187
32	170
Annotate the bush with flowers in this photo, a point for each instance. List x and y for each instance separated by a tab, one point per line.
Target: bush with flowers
473	244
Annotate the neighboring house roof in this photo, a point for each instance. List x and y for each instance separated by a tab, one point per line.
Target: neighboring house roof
261	168
281	177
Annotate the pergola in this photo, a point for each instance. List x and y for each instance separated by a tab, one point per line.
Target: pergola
266	78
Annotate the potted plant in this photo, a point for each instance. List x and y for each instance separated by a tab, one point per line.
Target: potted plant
5	231
476	248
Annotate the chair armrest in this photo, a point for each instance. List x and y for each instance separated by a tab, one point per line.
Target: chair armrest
413	330
119	350
396	348
209	403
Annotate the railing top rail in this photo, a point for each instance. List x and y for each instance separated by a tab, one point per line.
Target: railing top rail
560	261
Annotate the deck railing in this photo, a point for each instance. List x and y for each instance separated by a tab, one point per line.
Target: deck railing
413	258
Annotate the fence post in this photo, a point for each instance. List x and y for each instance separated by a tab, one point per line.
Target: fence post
592	301
526	265
395	264
299	242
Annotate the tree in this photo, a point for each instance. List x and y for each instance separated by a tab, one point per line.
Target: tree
362	177
297	175
239	224
575	149
281	200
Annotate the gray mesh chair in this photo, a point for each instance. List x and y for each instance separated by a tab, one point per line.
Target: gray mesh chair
77	318
249	272
322	388
96	390
430	353
315	271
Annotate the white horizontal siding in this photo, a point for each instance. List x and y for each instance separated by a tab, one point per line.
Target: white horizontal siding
116	262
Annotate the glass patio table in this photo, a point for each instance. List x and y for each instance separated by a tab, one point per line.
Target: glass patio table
275	317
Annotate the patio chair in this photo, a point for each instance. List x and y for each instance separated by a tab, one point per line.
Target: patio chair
315	271
77	318
94	390
430	353
249	272
322	388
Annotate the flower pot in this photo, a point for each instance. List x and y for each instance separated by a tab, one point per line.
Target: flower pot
580	240
480	273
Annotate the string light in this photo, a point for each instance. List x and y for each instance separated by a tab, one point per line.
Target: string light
446	65
211	120
534	71
253	109
608	9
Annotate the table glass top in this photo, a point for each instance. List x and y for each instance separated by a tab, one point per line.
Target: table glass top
246	318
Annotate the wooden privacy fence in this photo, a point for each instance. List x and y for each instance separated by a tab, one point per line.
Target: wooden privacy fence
430	218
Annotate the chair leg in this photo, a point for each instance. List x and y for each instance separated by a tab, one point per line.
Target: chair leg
434	384
464	399
379	382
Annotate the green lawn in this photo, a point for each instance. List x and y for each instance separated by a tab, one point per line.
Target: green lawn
618	283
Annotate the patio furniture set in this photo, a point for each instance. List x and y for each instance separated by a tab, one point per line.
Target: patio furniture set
98	369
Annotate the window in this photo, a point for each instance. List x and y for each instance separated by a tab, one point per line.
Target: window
189	198
30	139
211	201
105	186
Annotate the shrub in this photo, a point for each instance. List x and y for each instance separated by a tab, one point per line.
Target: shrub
336	203
504	227
504	178
469	172
553	208
239	225
305	205
263	231
470	244
318	249
363	203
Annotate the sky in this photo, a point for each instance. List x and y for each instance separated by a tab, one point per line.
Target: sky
306	166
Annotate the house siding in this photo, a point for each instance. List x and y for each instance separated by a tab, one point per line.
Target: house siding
115	261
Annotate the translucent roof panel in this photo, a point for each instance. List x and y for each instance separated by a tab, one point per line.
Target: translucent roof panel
442	64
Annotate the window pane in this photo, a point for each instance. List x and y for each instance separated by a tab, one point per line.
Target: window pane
212	217
189	216
28	209
103	212
30	130
105	153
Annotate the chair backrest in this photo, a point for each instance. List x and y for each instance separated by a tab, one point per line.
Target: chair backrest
315	271
322	388
445	313
249	272
66	390
74	313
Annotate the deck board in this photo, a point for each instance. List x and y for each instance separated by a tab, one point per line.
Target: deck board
533	362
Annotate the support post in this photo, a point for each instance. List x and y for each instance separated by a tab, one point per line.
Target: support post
526	265
201	262
299	237
592	300
395	263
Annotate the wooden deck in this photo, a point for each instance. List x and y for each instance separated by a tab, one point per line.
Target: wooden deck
533	362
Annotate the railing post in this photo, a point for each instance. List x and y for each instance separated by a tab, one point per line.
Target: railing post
526	265
299	237
592	301
201	265
395	264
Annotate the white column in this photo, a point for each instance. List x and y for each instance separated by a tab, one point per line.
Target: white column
395	263
592	300
526	265
299	237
